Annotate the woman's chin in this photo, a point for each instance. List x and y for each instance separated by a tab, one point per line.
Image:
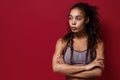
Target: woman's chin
74	31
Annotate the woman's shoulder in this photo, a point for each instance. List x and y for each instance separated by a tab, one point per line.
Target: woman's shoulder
100	42
61	42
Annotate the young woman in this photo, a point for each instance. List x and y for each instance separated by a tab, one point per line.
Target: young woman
80	53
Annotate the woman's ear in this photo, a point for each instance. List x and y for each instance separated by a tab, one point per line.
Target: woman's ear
87	20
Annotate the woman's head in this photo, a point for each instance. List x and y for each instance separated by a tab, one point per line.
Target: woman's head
77	20
83	18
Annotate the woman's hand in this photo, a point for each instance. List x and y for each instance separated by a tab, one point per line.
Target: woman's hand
60	59
95	63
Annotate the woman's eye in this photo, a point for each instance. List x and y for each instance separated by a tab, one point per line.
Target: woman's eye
70	18
78	18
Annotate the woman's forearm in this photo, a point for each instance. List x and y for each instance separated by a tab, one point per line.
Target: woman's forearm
88	74
68	69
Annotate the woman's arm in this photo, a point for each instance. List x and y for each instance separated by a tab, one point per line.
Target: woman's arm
88	74
90	71
63	68
96	71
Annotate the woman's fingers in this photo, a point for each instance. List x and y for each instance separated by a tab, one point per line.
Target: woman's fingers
99	63
60	59
95	63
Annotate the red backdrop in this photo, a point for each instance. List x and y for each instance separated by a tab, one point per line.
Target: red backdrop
30	28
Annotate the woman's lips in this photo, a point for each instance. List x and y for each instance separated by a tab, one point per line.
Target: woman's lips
73	28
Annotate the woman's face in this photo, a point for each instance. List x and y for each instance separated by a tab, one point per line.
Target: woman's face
77	20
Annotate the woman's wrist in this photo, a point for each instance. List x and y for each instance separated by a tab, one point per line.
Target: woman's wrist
85	66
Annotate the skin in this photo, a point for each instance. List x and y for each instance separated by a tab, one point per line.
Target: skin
77	23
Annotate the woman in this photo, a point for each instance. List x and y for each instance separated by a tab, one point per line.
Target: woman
80	53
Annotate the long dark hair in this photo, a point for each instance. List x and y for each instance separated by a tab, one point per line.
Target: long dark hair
92	29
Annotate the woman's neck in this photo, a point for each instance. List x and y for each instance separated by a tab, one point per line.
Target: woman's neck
80	35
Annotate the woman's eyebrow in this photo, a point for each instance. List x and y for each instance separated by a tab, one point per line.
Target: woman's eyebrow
76	16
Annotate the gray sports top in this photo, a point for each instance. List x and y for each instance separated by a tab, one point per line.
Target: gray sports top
79	57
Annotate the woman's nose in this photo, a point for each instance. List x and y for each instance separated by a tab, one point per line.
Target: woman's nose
73	22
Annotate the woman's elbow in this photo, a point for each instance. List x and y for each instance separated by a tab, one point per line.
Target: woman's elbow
99	72
56	68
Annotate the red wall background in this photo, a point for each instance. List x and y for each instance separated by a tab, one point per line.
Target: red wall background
30	28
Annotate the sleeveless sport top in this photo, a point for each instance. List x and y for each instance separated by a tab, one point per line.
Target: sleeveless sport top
79	57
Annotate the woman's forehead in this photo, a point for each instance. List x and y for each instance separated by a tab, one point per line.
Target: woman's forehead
76	12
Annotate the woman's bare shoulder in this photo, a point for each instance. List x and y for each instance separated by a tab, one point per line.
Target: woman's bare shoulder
61	42
100	43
